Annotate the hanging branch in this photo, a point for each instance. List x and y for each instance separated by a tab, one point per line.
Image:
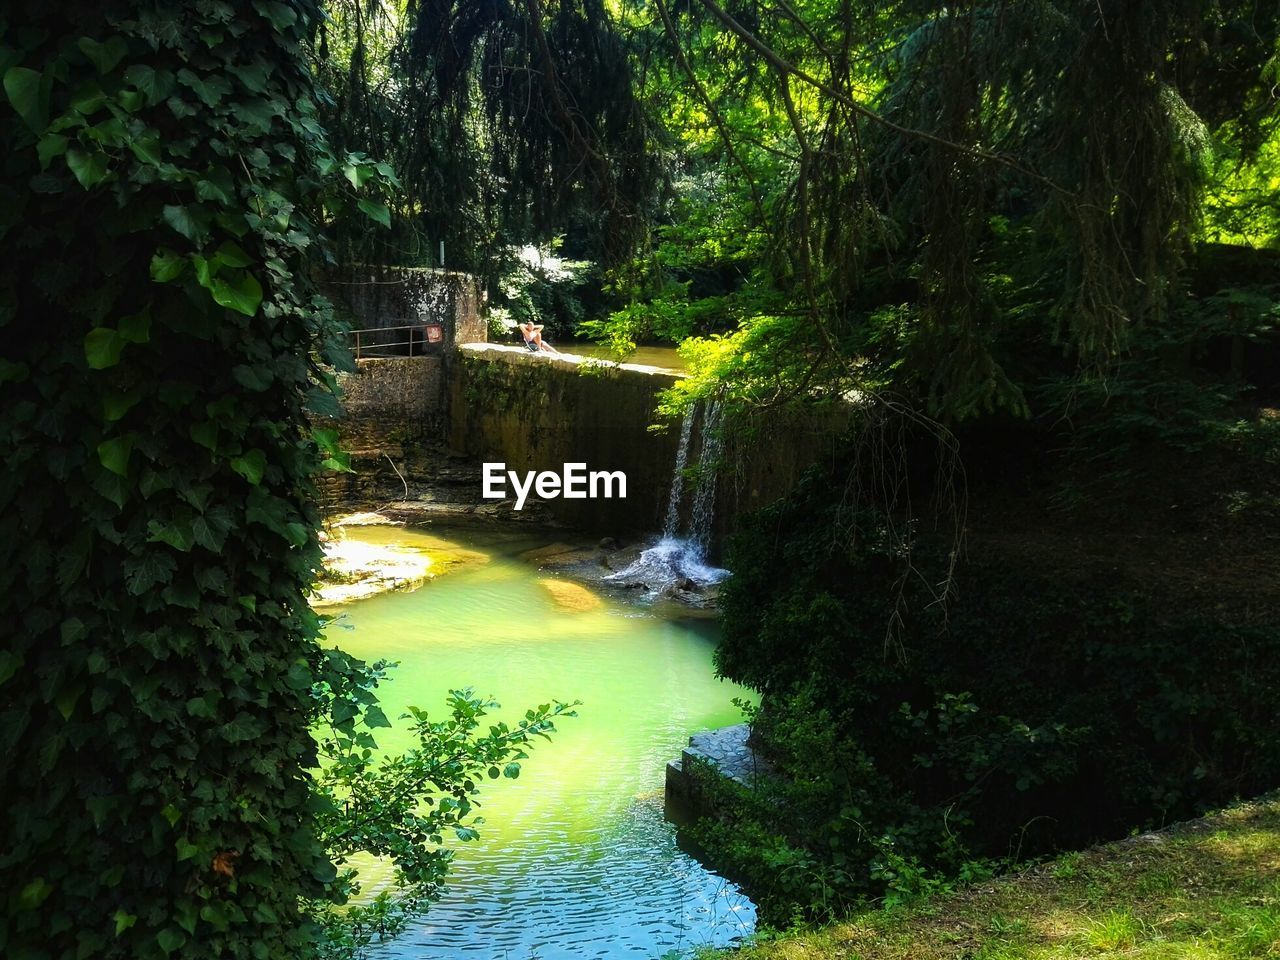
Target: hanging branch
863	110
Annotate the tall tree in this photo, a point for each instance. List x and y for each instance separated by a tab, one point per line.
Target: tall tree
159	342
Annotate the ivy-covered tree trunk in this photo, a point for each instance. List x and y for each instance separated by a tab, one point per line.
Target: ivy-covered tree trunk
157	537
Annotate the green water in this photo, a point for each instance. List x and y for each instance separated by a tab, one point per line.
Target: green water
575	859
666	357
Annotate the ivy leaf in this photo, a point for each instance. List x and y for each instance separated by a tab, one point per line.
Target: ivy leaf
51	145
178	535
136	328
256	377
170	939
186	917
66	700
89	168
152	568
185	849
123	921
374	717
357	174
281	15
117	403
154	84
205	433
147	150
242	728
243	296
232	255
376	210
34	894
251	466
210	88
216	186
253	76
114	454
180	219
29	94
299	676
210	528
167	265
88	100
102	348
9	664
106	55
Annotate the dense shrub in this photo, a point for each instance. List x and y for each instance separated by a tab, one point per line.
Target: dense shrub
1048	702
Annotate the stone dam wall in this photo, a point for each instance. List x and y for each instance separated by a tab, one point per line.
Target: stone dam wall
491	403
535	412
538	412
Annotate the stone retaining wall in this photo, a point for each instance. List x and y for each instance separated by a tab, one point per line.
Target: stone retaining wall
394	407
538	412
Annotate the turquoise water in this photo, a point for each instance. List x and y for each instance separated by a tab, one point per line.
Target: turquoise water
575	859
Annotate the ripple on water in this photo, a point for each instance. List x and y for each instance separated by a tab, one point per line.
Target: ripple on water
576	859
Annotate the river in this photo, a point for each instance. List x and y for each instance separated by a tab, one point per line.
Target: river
575	858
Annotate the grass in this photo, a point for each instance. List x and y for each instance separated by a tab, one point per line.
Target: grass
1204	890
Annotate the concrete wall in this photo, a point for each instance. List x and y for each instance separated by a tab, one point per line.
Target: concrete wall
375	297
536	412
393	407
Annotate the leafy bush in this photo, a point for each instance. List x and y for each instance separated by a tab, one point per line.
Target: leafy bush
1044	705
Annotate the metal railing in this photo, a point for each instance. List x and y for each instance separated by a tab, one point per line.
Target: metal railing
406	340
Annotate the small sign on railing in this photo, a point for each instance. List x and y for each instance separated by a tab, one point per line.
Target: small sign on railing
435	332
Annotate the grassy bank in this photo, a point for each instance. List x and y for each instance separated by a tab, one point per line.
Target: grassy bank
1204	890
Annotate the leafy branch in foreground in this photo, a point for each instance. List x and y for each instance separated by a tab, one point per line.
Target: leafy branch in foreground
402	807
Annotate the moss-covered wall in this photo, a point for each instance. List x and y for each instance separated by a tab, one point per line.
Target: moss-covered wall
536	412
374	297
392	407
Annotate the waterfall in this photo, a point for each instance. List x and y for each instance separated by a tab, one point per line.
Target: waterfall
672	523
675	560
704	497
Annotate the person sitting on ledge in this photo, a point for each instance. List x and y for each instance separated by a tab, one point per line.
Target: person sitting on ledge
532	333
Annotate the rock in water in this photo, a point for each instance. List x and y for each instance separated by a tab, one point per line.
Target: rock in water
571	596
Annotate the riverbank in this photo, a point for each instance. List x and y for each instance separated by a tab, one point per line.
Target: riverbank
372	552
365	555
1204	890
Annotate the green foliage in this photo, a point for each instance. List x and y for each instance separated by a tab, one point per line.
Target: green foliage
1034	706
161	177
947	203
510	123
1178	417
538	285
406	807
165	178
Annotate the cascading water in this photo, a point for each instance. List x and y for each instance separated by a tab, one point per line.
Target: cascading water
672	523
704	497
675	560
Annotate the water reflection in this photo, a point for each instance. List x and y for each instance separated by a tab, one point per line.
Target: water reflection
576	859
